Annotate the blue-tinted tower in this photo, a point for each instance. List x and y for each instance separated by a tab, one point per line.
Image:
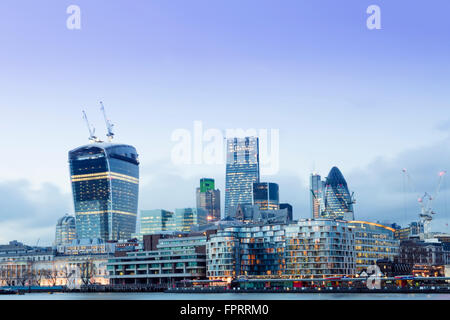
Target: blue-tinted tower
105	187
338	201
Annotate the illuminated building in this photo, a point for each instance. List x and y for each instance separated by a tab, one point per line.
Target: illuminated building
317	194
208	199
175	258
319	248
338	203
266	195
65	230
155	221
187	217
105	184
373	242
242	170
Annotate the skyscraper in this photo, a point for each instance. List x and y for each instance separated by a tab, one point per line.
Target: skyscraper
105	185
242	170
317	194
208	198
65	230
266	195
338	202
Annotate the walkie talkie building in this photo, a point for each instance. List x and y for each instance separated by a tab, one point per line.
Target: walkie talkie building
105	187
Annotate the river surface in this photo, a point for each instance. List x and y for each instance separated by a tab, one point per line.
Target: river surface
225	296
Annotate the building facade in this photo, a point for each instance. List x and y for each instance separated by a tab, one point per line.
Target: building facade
319	248
242	170
373	242
155	221
185	218
105	185
266	195
175	259
65	230
317	196
208	199
338	203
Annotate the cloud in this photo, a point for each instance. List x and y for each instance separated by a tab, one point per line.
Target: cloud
383	192
28	214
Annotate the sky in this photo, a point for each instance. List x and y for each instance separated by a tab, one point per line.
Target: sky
371	102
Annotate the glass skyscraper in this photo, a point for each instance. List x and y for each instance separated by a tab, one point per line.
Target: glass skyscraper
266	195
338	201
105	185
242	170
317	193
208	198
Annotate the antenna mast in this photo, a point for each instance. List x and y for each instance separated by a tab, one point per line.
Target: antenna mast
109	125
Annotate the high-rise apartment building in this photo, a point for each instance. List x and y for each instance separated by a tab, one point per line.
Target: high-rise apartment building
242	170
208	199
105	186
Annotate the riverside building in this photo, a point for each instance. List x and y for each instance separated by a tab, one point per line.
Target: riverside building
175	258
373	242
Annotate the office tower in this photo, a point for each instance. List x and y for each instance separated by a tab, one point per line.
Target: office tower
288	207
105	185
208	199
338	201
242	170
155	221
317	192
65	230
185	218
266	195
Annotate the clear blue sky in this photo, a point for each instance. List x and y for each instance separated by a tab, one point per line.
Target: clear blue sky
369	101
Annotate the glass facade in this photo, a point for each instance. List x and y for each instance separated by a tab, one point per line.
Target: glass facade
317	192
156	221
105	186
179	258
187	217
208	199
65	230
266	195
319	249
242	170
373	242
338	201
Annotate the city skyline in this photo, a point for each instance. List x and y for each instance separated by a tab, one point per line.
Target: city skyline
368	102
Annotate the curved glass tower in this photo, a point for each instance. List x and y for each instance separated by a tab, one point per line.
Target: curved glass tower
105	186
338	201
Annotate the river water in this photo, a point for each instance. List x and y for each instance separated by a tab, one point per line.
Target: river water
225	296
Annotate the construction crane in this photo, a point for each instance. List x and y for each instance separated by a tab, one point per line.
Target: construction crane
425	202
91	129
109	125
